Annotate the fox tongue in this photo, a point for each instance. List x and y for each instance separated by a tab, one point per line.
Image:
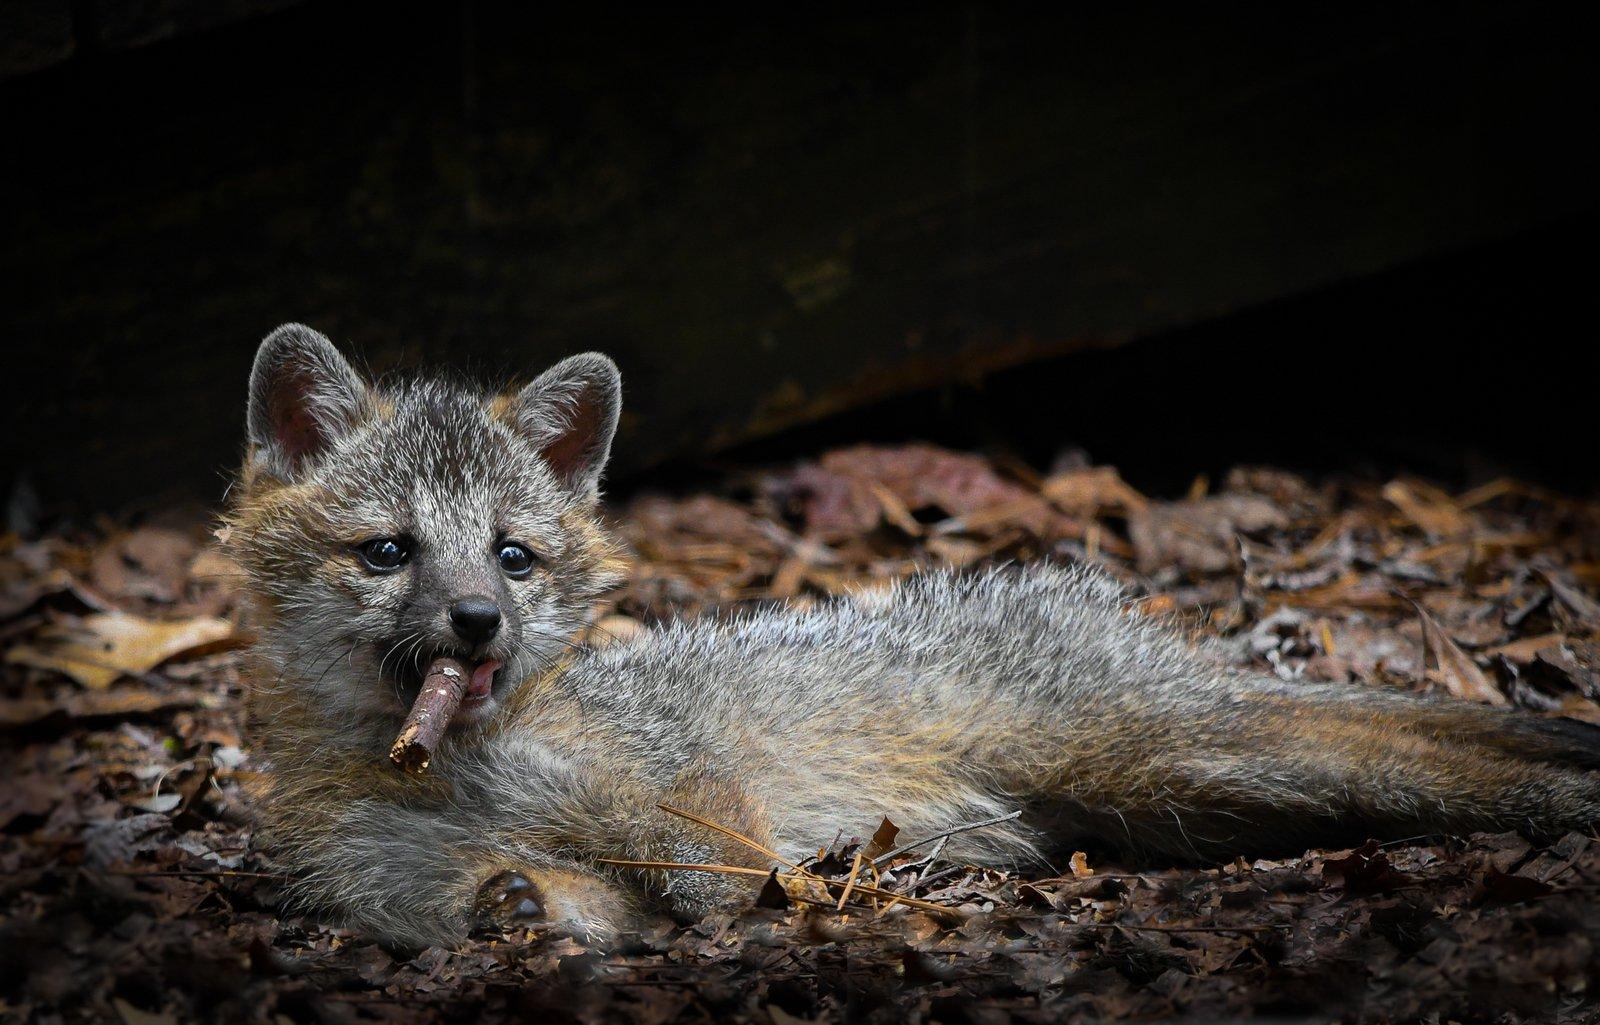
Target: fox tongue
482	678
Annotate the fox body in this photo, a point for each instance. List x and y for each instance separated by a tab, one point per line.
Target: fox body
368	518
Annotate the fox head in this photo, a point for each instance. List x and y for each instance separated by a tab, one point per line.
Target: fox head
382	526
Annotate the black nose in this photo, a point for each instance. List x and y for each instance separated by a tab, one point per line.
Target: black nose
475	619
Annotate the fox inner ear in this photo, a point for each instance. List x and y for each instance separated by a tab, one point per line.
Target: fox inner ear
304	395
570	413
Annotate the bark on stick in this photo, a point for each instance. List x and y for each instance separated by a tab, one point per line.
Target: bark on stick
443	688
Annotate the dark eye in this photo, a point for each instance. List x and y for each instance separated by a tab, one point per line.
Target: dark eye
383	554
515	560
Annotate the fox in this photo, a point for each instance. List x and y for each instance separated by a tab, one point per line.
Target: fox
382	525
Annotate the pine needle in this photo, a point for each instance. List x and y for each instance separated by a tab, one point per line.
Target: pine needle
739	870
850	880
732	834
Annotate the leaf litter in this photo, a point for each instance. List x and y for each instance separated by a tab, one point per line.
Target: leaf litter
130	889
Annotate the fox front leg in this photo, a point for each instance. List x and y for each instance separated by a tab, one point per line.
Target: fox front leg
553	901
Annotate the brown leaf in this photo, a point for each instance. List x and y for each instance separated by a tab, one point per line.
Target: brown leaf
772	894
1527	649
1584	608
1198	536
844	494
1502	888
1093	491
1459	674
1429	508
21	591
1365	870
150	562
131	1015
882	840
97	649
123	701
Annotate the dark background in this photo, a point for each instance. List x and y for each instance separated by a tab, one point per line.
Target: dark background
1355	238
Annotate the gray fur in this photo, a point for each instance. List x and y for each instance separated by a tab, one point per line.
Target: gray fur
948	699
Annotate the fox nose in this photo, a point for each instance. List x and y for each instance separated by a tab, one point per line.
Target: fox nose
475	619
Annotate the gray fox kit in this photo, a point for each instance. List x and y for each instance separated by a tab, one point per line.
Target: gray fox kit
381	527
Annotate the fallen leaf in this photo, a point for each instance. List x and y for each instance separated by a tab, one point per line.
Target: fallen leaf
1365	870
1503	888
772	894
131	1015
1527	649
844	494
1198	536
1093	491
97	649
123	701
1583	607
1459	674
150	562
20	591
882	839
1429	508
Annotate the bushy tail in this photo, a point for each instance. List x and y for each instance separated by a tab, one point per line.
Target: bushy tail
1523	735
1292	767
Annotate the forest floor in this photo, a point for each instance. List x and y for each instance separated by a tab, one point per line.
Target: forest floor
130	890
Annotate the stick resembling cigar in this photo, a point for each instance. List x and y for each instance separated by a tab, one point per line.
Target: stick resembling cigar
443	688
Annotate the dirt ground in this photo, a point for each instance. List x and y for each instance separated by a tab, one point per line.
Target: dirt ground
130	890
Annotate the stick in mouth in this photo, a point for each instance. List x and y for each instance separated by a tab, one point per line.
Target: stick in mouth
443	688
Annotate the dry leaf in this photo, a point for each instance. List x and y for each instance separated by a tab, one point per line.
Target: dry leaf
150	562
1094	491
882	840
1583	607
844	495
131	1015
124	701
1429	508
1459	674
97	649
1527	649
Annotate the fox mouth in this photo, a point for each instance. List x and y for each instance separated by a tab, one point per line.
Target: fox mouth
405	670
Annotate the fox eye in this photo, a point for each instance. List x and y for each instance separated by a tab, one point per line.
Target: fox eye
383	554
515	559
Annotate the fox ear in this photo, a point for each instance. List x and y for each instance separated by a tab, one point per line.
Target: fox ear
303	396
570	414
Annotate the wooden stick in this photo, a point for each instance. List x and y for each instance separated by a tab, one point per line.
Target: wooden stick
850	880
443	689
883	859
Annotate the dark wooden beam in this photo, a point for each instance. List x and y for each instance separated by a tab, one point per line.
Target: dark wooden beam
765	219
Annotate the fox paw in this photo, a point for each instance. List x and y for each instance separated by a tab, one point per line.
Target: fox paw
508	900
561	903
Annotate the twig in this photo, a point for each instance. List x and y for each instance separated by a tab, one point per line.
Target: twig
216	873
795	877
732	834
923	863
850	880
1184	928
732	870
884	859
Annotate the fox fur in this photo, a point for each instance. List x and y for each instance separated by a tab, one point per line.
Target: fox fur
949	699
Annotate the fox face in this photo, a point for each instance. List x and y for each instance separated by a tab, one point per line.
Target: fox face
384	526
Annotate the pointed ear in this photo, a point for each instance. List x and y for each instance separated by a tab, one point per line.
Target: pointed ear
570	414
303	397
